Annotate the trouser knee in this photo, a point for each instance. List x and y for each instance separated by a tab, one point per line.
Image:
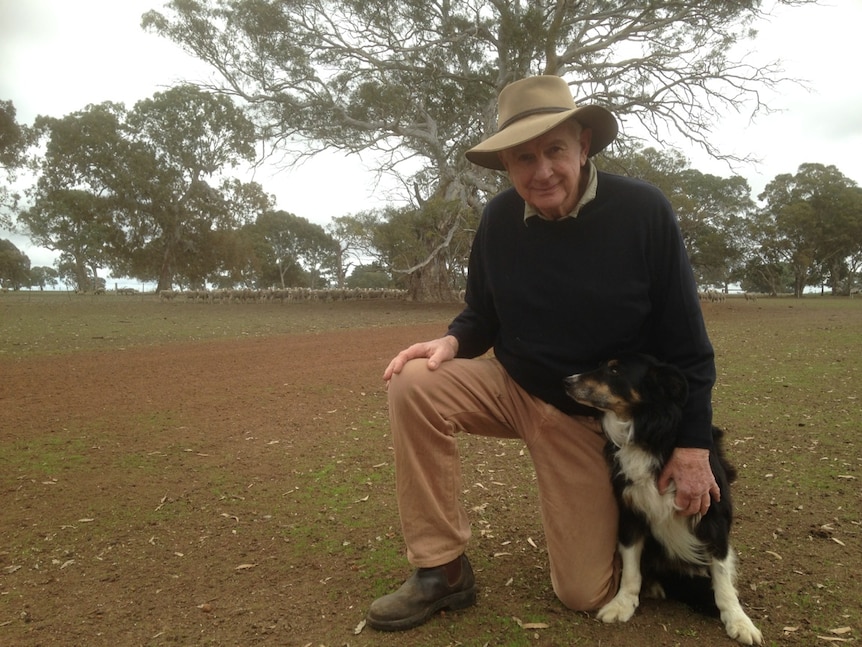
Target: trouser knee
409	382
580	598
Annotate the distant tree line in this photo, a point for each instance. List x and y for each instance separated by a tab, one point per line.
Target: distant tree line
143	195
147	192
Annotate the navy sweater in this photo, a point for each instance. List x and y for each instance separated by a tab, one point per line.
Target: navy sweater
555	298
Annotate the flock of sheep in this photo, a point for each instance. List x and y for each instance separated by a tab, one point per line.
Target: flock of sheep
716	296
249	295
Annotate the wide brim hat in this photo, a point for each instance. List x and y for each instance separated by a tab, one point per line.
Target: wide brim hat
533	106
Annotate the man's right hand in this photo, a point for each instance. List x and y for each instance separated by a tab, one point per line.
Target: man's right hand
437	351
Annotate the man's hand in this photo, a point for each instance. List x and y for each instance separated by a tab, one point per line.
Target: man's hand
437	351
689	470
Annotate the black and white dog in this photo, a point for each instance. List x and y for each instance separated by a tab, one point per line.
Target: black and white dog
641	400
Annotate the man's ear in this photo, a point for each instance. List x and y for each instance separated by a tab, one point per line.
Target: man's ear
504	159
586	140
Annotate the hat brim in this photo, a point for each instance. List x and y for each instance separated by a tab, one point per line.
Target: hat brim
599	120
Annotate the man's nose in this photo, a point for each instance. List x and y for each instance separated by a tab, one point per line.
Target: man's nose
544	168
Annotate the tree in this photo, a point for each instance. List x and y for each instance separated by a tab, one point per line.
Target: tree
14	139
43	277
369	277
424	248
14	266
77	195
354	238
291	250
711	210
415	81
188	137
143	191
813	222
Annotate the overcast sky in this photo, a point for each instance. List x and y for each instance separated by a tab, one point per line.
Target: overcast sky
57	56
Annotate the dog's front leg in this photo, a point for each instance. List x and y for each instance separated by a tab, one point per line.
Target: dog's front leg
623	606
737	624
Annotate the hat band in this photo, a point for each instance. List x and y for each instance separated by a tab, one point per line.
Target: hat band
529	113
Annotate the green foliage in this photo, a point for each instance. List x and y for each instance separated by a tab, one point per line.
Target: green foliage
712	210
14	266
811	223
14	139
291	251
138	191
369	276
430	243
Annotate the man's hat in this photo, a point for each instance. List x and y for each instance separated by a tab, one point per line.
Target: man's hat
533	106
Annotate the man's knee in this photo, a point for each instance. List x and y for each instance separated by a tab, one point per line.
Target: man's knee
412	379
577	597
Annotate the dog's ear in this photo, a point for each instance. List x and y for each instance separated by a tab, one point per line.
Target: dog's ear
672	382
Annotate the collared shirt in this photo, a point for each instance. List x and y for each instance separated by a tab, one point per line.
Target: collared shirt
588	196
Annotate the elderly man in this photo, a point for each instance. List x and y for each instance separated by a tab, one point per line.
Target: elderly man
569	267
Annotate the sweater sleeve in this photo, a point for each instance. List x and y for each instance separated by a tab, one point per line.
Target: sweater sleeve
679	334
476	327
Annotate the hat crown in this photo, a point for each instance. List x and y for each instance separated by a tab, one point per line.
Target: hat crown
532	96
533	106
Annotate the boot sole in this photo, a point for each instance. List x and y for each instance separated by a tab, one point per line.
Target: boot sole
454	602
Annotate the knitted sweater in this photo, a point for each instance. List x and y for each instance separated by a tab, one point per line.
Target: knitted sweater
555	298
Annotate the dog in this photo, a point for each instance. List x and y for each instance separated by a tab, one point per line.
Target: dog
641	401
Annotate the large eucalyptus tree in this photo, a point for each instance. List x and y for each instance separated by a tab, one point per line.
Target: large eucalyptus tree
415	81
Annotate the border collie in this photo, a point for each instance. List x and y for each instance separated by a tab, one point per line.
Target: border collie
641	400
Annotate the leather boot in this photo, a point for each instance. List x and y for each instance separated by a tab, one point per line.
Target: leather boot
424	593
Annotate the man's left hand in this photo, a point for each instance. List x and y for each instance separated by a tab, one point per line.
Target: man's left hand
689	470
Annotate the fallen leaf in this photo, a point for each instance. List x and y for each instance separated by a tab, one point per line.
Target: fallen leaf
358	628
244	567
531	542
501	554
837	541
841	630
530	625
774	554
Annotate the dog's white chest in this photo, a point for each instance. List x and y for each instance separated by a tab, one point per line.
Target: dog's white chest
672	530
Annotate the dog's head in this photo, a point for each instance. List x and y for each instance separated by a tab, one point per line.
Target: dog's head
629	388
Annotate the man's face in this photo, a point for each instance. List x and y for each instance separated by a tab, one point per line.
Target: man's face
546	171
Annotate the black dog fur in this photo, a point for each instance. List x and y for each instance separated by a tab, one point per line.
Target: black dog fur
683	557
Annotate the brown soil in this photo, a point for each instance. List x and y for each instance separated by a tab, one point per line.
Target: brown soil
240	493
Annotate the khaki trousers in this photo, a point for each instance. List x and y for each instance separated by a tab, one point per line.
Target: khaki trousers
477	396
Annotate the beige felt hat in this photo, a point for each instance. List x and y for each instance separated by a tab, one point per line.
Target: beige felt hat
533	106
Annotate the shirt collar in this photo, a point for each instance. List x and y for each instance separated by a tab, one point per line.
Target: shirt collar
588	196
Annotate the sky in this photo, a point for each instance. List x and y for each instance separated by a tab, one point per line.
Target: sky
57	56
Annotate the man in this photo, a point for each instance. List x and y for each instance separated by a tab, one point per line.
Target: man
569	267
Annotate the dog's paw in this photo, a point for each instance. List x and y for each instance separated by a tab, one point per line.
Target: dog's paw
620	609
742	629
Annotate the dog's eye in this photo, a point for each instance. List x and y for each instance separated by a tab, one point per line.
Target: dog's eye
613	370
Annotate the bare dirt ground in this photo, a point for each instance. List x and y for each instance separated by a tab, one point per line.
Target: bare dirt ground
240	492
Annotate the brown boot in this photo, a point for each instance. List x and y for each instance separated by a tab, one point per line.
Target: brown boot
423	594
